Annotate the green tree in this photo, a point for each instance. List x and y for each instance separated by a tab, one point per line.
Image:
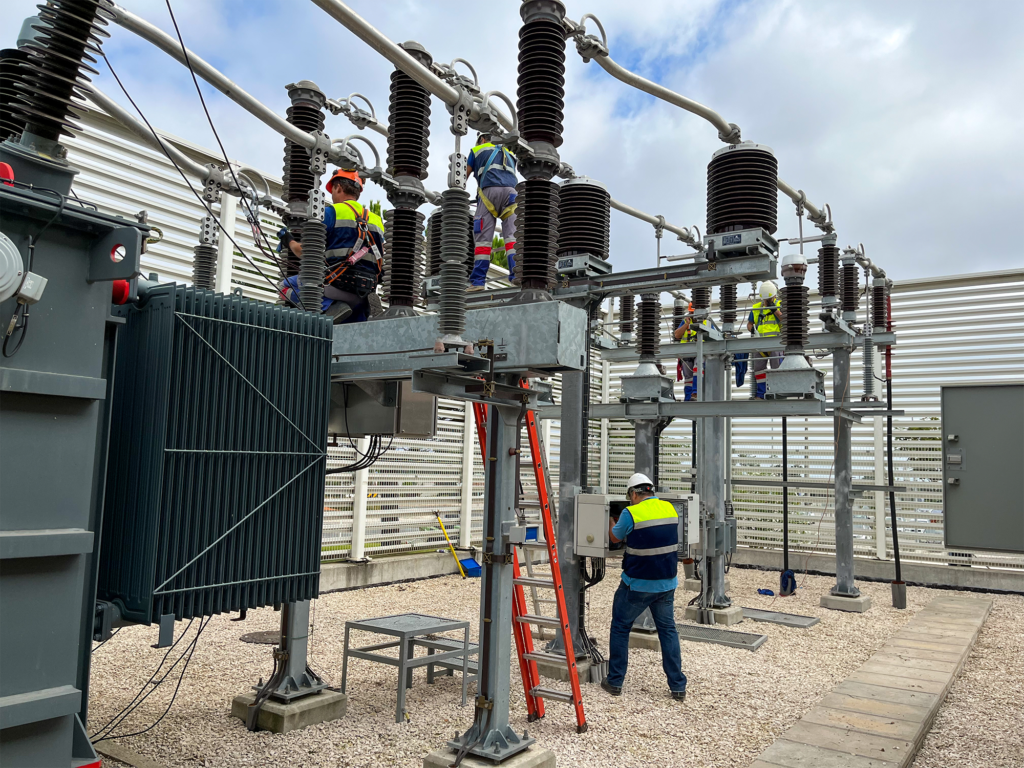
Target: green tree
498	252
375	207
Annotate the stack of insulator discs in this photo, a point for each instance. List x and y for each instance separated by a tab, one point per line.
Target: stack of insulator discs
298	177
851	288
678	313
701	297
204	266
742	189
793	301
626	305
648	340
583	217
409	120
405	257
434	244
69	35
828	270
879	306
536	230
11	73
456	225
727	303
313	266
541	76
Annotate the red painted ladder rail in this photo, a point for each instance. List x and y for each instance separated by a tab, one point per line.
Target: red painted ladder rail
521	618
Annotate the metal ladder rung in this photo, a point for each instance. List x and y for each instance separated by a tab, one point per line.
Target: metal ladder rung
542	656
543	545
551	693
545	621
526	581
546	600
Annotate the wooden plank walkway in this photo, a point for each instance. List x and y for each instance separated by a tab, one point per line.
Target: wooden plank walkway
879	715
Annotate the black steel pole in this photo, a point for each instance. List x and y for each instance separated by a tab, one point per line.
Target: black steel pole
785	498
892	483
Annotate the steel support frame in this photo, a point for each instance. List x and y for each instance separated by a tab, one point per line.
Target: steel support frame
844	477
297	680
712	470
570	484
491	736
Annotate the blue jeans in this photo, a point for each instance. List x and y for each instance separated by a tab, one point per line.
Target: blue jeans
626	607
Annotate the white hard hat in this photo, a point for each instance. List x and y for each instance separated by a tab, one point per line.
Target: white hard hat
638	478
767	290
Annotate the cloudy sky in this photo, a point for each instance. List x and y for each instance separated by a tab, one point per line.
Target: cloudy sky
904	116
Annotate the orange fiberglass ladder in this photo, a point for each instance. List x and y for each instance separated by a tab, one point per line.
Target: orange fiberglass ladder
521	618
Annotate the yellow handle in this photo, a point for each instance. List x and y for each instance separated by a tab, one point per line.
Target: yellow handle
457	561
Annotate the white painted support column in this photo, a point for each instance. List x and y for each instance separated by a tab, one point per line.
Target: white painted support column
466	510
359	506
225	250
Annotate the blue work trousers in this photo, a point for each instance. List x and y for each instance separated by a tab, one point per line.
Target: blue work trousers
626	607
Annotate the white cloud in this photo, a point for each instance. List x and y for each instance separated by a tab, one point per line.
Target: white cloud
900	115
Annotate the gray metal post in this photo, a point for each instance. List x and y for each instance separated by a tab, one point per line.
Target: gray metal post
844	476
644	439
490	735
569	483
297	680
712	471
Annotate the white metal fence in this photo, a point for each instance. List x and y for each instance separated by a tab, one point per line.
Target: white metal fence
966	328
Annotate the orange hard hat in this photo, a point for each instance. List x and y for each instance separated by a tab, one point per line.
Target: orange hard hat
342	174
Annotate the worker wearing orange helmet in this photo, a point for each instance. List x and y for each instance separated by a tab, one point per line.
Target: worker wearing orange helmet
354	253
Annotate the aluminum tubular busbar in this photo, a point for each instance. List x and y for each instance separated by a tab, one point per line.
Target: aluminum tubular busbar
222	83
141	130
684	233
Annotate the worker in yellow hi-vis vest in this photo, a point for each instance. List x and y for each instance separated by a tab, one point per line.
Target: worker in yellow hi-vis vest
765	320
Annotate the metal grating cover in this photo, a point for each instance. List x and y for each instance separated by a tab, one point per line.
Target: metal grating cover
218	442
699	633
776	617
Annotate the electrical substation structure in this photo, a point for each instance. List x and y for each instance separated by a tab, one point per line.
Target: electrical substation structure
197	421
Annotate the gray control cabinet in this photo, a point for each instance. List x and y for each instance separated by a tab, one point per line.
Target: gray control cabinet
983	467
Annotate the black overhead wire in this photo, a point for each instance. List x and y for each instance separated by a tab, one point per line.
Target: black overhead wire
199	197
251	217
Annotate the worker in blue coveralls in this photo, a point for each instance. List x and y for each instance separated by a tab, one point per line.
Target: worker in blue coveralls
650	528
494	169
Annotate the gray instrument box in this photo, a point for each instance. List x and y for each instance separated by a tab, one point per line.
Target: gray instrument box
983	467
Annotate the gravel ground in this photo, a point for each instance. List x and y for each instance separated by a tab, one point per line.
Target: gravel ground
738	701
981	724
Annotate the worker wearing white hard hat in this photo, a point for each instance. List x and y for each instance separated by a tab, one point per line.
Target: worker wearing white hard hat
765	320
650	528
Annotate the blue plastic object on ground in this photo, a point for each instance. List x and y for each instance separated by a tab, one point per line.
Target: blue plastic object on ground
470	566
766	592
787	583
740	363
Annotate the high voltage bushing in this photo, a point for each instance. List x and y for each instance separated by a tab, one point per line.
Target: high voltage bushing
742	189
536	229
584	212
648	340
678	312
11	73
470	247
879	303
69	32
727	303
794	301
306	113
434	243
405	257
455	224
409	120
541	82
851	286
204	266
828	273
701	297
313	265
626	305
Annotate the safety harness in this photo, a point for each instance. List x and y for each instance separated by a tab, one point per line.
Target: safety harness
364	243
495	153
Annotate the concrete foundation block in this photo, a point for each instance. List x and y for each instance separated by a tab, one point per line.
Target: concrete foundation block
858	604
724	616
534	757
554	670
646	640
693	585
281	718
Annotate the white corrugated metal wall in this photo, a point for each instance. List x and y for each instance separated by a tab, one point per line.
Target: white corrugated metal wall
963	328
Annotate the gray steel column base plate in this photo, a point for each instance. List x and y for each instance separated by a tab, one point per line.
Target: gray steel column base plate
536	757
699	633
777	617
496	746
